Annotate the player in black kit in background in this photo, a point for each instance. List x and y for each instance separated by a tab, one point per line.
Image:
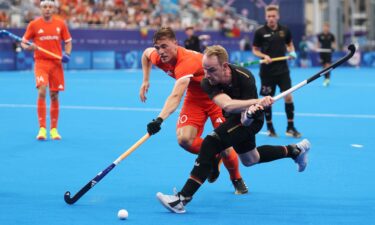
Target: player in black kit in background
233	89
326	45
274	40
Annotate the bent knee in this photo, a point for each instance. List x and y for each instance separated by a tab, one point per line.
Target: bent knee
249	163
249	158
185	142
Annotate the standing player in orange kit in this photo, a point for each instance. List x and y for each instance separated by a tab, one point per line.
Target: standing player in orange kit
48	32
186	67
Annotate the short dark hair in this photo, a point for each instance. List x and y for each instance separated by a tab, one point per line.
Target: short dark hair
164	33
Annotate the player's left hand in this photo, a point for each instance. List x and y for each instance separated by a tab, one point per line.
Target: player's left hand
292	55
65	58
266	101
154	126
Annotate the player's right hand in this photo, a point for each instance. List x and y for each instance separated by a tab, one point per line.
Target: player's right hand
143	91
266	101
29	47
267	59
154	126
65	57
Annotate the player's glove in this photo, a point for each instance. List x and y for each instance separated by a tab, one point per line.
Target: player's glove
154	126
292	55
65	58
254	112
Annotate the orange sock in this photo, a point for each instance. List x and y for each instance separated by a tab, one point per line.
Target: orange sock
232	165
54	113
196	145
41	110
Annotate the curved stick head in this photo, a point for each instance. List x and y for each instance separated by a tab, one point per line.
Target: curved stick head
68	199
3	33
351	48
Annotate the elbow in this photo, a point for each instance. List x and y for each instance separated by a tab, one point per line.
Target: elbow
227	108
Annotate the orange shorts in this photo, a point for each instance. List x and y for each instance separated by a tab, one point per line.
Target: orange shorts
49	73
195	113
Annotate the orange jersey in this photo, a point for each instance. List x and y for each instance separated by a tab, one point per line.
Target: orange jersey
189	64
47	35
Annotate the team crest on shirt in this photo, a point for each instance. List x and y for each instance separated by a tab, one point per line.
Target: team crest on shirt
58	29
282	33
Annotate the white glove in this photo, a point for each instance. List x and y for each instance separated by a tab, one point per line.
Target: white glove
247	117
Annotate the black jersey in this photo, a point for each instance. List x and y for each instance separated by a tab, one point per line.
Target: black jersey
242	87
273	43
326	40
193	43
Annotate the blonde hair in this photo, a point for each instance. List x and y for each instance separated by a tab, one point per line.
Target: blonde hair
272	8
218	51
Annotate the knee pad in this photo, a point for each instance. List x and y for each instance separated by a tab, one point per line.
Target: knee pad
210	147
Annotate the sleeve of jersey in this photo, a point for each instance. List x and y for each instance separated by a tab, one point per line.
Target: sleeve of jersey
248	87
66	34
257	39
186	68
29	34
154	58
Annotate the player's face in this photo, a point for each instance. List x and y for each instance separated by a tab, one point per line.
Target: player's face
213	70
47	10
272	18
167	50
325	28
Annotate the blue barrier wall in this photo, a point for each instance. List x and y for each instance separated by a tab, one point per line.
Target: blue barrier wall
81	60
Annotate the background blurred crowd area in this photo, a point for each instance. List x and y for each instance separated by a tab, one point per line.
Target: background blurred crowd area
130	14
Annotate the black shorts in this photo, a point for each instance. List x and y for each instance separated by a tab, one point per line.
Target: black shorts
269	83
232	134
325	58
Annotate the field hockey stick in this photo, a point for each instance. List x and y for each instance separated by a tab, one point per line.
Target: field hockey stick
261	61
19	39
103	173
351	52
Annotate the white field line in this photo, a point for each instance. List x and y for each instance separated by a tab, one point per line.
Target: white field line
109	108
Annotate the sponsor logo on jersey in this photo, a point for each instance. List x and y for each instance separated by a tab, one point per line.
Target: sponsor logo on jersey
40	31
49	38
267	35
219	120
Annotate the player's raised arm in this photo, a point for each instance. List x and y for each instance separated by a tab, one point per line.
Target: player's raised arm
233	105
170	105
146	68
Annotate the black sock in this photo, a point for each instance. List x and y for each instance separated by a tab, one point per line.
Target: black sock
190	187
289	110
269	153
268	113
